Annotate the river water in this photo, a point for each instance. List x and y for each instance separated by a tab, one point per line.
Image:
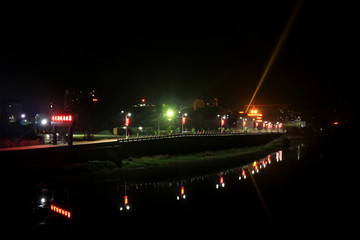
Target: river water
301	185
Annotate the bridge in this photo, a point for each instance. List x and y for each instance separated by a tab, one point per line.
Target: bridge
117	149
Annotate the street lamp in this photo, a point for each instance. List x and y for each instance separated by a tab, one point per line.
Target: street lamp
170	114
127	122
183	121
222	122
44	121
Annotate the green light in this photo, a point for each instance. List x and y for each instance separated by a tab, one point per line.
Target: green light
170	113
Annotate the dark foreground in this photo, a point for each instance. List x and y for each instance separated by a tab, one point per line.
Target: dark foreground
310	187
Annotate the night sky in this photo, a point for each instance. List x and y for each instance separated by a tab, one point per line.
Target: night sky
181	54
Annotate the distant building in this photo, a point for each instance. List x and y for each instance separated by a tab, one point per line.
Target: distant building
143	113
206	103
74	98
144	105
11	111
198	103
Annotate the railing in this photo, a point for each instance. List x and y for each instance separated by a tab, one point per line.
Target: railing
157	137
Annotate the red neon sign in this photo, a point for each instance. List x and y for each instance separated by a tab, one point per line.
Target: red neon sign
183	120
127	122
62	118
60	211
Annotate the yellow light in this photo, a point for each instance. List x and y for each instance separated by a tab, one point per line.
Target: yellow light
277	48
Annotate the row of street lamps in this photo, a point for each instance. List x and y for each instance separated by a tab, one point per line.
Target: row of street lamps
169	114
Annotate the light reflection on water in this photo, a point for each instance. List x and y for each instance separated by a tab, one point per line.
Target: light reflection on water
131	198
179	186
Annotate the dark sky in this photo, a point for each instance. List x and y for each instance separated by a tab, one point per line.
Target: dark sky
182	54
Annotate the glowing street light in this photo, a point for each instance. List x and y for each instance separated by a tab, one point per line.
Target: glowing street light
183	121
126	122
44	122
170	114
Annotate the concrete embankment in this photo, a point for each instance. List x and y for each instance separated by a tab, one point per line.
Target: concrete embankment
116	151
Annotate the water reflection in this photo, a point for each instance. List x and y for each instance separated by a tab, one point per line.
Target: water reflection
125	205
182	192
132	197
221	183
177	186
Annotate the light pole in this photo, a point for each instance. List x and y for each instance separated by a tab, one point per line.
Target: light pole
170	114
183	121
127	122
222	122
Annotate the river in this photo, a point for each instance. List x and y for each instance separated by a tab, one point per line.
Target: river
301	185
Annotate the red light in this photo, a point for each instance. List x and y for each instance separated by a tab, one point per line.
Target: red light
183	120
336	123
143	100
94	99
222	122
244	123
182	190
126	200
60	211
61	118
243	172
127	122
221	180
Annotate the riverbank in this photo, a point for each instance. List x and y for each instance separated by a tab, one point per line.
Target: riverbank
159	167
165	159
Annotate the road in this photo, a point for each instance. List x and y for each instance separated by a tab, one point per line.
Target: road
123	140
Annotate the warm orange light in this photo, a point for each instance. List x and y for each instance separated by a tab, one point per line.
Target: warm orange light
222	122
336	123
182	190
143	100
94	99
127	122
255	114
183	120
60	211
126	200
